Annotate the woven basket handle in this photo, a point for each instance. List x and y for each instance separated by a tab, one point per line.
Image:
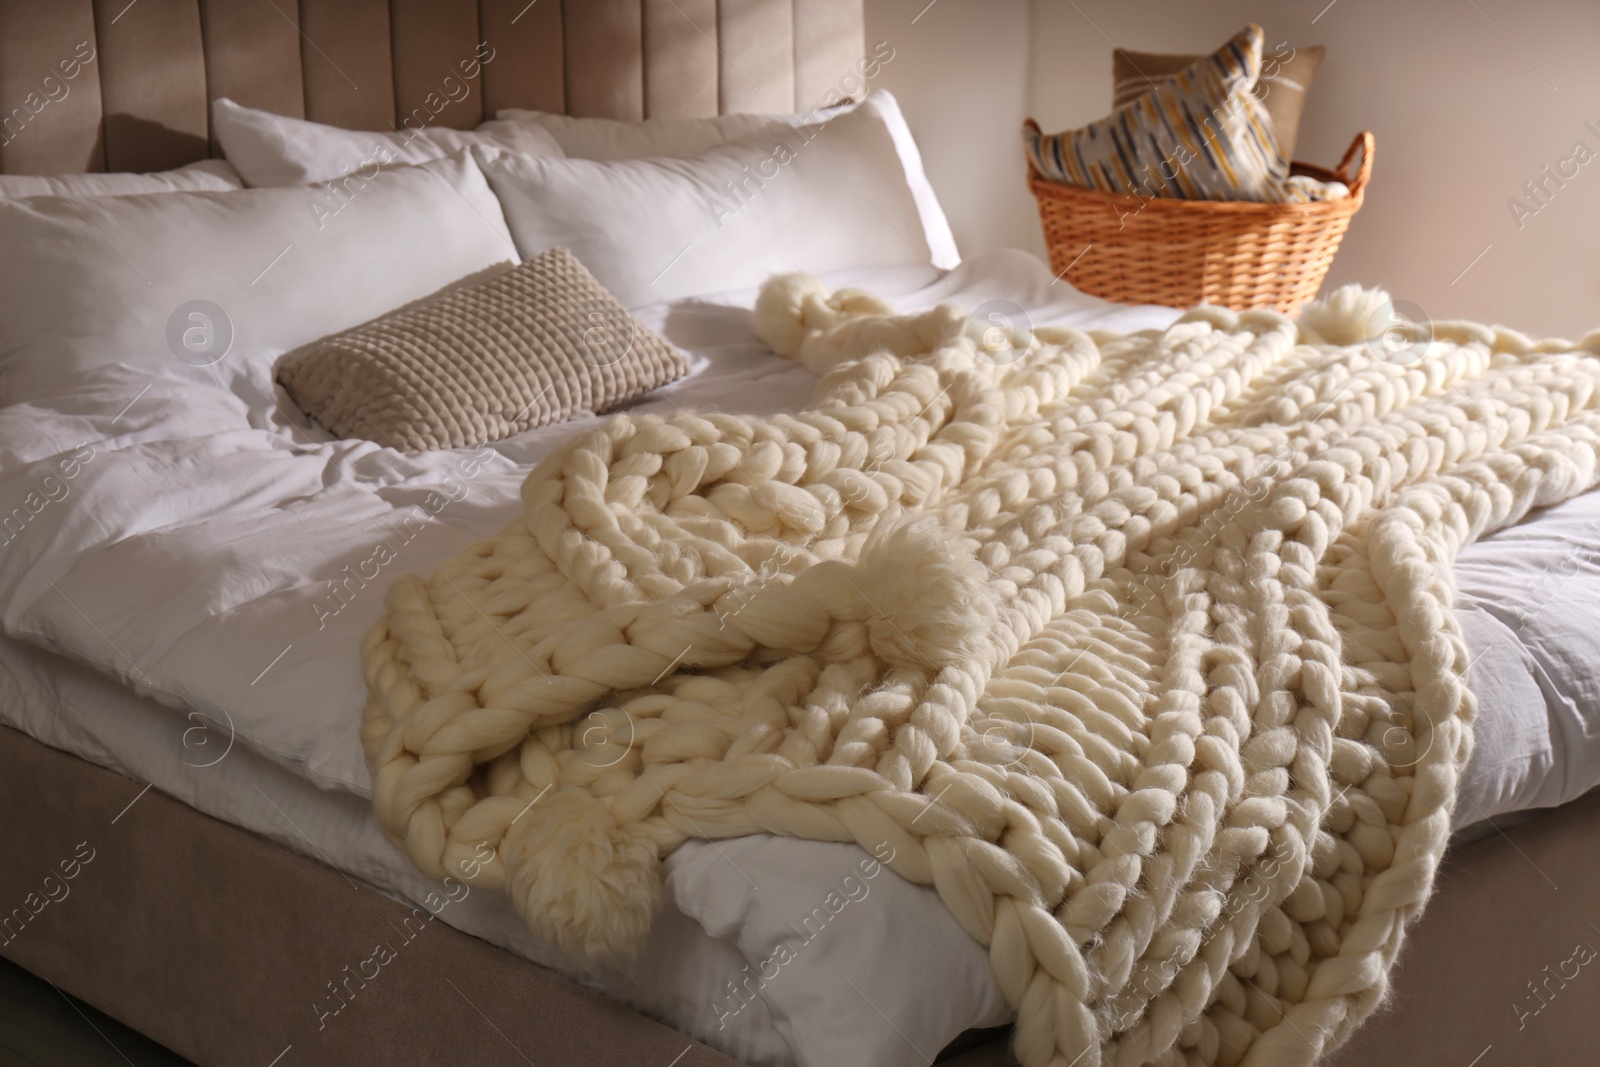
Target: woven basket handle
1357	181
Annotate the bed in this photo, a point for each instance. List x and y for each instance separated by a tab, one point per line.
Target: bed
231	884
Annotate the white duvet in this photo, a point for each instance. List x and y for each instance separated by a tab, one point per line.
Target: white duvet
226	558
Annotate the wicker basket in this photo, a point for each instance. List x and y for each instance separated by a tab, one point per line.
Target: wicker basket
1183	252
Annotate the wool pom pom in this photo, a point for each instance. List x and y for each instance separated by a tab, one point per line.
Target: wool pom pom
580	880
1347	316
929	600
780	316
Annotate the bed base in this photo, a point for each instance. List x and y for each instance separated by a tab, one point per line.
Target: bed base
1491	974
220	945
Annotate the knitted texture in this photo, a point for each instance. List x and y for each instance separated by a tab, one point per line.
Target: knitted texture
534	344
1139	648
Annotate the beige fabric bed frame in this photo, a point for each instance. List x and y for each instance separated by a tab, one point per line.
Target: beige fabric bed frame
218	943
142	103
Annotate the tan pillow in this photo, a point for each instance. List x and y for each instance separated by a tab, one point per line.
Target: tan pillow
1285	76
534	344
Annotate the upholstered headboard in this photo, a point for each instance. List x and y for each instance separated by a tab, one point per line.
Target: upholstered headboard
90	85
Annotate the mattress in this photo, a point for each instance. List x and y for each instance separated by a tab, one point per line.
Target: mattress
776	951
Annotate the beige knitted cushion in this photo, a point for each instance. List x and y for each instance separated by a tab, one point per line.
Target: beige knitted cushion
535	344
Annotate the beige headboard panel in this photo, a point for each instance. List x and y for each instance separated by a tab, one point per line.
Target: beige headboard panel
142	71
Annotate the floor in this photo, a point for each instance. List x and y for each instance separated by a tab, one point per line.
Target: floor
43	1027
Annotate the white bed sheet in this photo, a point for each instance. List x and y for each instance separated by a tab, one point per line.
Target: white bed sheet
235	522
240	663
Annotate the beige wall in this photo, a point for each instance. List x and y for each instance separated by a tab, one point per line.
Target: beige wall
960	72
1465	111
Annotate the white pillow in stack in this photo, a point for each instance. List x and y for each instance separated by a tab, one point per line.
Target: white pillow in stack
609	140
208	175
96	281
818	197
272	150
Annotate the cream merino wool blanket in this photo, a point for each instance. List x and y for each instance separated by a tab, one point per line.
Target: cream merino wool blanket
1139	648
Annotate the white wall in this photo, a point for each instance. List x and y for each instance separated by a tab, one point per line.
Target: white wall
1468	100
960	72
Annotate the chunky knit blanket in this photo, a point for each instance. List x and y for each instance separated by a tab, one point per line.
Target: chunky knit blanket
1139	648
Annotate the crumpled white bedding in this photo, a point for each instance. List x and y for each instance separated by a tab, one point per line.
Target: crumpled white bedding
217	556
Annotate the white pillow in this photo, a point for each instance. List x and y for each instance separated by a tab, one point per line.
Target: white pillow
661	229
273	149
122	279
609	139
213	175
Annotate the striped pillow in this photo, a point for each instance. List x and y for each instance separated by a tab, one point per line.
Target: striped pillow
1199	135
1286	75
